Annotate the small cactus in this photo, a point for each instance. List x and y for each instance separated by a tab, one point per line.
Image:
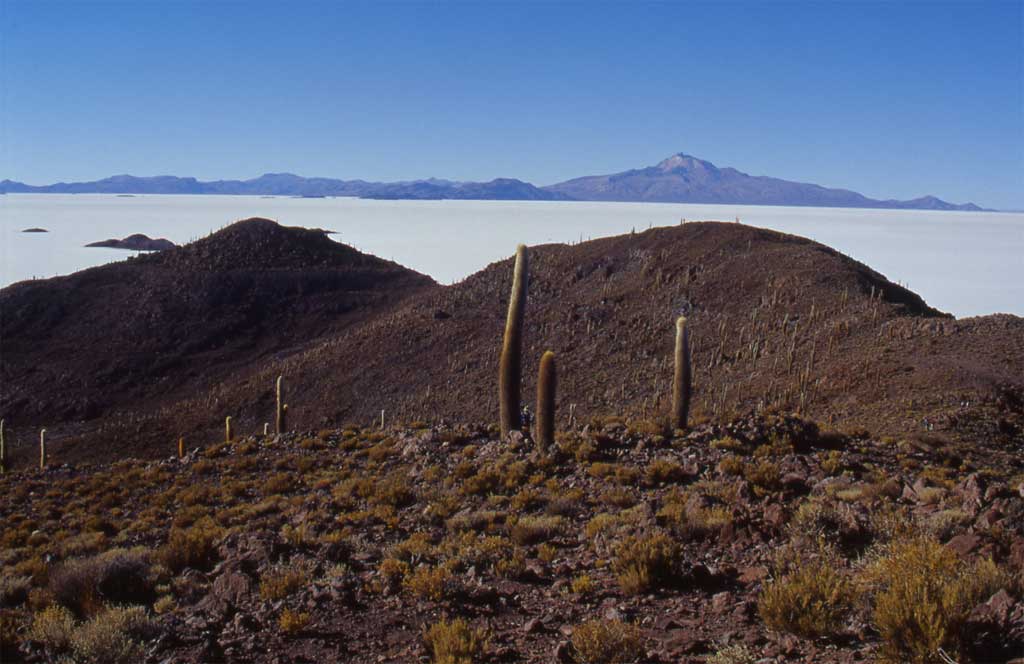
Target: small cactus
546	386
227	430
281	407
511	363
42	449
266	428
681	381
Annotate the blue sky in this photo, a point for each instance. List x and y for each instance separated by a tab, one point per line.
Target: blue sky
892	100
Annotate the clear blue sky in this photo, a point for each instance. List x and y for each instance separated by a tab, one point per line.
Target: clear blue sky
892	100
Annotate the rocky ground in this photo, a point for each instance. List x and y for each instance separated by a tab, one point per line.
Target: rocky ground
766	539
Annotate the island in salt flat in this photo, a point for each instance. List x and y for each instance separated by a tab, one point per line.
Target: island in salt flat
136	242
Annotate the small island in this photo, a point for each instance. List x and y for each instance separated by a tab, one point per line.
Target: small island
35	230
136	242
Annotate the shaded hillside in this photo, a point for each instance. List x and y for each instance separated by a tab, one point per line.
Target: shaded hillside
777	321
132	333
682	178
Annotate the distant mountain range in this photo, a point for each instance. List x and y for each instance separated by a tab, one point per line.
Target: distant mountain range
679	179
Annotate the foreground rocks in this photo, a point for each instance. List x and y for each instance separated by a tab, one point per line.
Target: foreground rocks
348	545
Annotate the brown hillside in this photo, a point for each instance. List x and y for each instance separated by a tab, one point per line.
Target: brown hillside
777	322
134	333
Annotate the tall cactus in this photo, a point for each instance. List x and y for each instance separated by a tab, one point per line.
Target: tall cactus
228	433
181	448
681	381
42	449
546	385
280	418
511	350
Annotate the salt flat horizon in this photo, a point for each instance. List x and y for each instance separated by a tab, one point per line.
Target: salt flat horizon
965	263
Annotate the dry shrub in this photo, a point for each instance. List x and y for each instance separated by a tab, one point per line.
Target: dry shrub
293	622
14	590
454	642
279	582
118	576
810	601
607	642
11	624
664	471
53	627
734	654
923	594
194	546
113	637
691	519
429	582
536	529
391	574
582	585
645	563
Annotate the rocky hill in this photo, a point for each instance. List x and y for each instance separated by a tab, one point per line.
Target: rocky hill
136	333
177	341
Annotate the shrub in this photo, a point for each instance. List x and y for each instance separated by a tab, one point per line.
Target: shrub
923	594
11	623
692	520
535	529
454	642
736	654
192	547
764	475
394	492
663	471
280	582
429	582
113	637
810	601
582	585
293	622
53	627
607	642
14	590
278	483
118	576
392	573
645	563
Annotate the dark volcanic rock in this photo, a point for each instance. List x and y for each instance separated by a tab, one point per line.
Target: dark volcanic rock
136	242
